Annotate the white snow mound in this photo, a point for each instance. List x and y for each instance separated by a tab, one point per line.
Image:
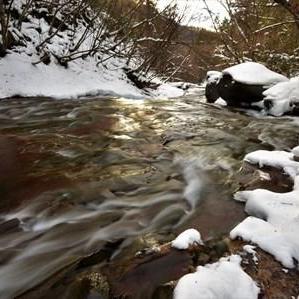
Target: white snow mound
187	238
224	279
283	95
253	73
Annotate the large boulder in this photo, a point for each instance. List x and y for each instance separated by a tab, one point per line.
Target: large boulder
242	84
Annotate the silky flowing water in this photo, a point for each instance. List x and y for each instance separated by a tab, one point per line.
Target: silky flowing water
78	175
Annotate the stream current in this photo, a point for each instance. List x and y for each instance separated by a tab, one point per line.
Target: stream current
78	175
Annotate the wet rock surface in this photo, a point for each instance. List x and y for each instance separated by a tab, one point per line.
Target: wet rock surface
85	180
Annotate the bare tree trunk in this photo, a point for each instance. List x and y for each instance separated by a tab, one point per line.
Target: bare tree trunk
3	24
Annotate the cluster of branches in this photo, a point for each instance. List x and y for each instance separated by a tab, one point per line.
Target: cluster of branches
259	30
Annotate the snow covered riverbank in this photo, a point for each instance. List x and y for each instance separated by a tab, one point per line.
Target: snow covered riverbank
71	61
19	77
273	222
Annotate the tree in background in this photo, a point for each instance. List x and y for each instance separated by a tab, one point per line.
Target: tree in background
260	30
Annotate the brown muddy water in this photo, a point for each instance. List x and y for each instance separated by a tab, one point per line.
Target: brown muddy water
110	176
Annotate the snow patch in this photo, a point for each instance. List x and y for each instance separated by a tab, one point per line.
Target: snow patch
250	249
186	239
169	91
220	102
224	279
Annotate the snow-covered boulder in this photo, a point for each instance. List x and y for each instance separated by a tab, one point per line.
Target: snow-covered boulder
241	84
282	97
252	73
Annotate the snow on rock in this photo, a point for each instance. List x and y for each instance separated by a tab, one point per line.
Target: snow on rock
277	159
280	241
283	96
213	77
224	279
175	89
274	217
187	238
220	102
253	73
250	249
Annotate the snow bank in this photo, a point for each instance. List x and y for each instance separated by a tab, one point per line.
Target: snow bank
277	159
186	239
283	96
82	78
19	77
274	221
224	279
23	74
254	74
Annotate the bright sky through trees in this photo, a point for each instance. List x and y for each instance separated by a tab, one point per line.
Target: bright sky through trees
196	13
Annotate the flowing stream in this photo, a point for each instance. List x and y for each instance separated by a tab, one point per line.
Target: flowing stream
80	175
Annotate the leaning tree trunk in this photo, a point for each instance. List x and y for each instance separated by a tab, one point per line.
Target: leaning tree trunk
2	22
3	45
